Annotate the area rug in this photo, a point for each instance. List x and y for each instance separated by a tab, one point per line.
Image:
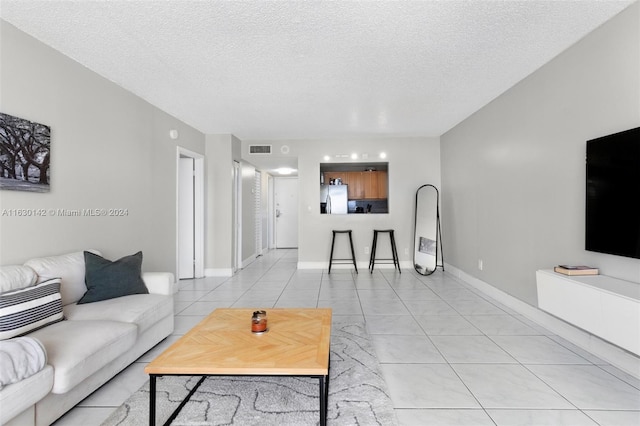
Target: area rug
358	394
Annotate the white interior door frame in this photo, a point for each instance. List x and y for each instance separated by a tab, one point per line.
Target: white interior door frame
186	215
271	217
237	217
198	209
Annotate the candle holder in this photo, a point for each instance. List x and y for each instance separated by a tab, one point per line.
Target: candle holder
259	322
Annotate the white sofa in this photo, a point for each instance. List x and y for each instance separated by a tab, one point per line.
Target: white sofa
92	344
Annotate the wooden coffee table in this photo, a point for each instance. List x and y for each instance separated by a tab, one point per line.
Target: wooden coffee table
296	344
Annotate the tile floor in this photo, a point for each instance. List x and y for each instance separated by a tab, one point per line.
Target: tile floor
450	355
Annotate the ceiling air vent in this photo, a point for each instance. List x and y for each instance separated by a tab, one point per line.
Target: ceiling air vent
259	149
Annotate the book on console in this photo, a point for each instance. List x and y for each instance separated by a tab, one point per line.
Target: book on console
576	270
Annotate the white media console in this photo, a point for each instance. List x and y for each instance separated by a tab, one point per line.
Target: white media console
603	306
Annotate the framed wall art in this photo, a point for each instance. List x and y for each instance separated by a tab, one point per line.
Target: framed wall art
25	154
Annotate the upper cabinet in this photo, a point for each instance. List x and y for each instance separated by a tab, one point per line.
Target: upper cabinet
331	177
363	184
373	185
369	185
379	184
356	188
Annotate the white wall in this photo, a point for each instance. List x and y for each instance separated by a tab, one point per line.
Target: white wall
264	213
248	213
109	148
412	162
219	243
514	172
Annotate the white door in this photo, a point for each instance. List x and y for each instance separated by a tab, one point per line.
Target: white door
186	240
286	206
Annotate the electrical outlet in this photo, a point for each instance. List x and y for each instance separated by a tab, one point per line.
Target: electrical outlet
366	250
480	265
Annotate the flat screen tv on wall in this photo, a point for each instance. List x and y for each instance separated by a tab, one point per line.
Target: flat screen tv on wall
613	194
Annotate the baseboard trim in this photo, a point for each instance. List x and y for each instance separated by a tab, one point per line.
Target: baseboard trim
248	261
616	356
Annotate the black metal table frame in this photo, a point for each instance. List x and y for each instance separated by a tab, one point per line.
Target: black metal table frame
323	382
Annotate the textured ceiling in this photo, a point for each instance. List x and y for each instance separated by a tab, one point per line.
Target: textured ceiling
313	69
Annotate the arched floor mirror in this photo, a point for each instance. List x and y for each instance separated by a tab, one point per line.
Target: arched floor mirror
427	244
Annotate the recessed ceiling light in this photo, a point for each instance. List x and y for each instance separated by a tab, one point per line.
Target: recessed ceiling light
285	170
383	155
327	158
354	156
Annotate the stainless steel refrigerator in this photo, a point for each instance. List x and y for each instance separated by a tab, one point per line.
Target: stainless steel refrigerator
336	198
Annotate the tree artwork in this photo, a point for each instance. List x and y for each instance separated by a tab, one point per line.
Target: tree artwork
25	154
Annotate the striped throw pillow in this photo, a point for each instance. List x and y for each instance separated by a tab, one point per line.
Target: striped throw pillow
25	310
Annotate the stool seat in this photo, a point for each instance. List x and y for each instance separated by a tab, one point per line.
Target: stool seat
394	250
353	254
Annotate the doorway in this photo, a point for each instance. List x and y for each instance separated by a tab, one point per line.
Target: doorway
286	212
190	214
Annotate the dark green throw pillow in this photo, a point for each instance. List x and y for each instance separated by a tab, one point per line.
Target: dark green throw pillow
106	279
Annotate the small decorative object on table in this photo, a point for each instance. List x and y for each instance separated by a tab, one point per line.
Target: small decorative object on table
259	322
576	270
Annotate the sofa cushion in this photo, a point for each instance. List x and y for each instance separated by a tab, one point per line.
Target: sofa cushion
143	310
160	283
25	310
69	267
77	349
16	277
107	280
17	397
20	358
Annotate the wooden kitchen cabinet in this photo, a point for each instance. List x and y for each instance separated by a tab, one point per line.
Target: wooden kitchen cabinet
356	190
375	185
361	185
367	185
383	182
334	175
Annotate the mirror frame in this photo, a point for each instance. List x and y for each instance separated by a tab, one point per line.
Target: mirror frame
439	251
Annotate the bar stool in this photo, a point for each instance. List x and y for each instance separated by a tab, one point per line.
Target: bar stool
394	250
353	254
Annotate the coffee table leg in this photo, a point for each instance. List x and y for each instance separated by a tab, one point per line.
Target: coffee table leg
326	392
152	400
323	400
324	395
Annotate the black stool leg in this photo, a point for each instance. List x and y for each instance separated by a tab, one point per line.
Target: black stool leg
371	254
372	262
396	261
353	254
333	240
